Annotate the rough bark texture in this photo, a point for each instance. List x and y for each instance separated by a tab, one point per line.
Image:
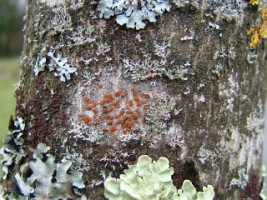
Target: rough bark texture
187	87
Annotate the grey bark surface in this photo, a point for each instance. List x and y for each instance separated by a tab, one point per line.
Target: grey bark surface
206	90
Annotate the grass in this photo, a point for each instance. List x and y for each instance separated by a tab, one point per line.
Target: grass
9	70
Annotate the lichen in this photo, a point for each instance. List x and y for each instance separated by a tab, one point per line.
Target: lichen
183	3
149	69
133	12
229	91
48	179
254	2
258	32
230	10
13	149
204	155
242	179
152	180
56	64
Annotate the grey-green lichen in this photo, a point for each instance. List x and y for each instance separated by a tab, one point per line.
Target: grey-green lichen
48	179
149	180
56	64
133	13
148	69
242	179
13	149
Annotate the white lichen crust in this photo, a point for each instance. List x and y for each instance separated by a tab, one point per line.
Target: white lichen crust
133	12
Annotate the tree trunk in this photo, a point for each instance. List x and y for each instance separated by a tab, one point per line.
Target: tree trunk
189	86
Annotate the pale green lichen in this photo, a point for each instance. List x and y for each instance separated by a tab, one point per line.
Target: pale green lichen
149	180
48	179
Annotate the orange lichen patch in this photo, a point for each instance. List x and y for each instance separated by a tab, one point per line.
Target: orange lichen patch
94	110
86	99
128	124
109	96
116	103
145	95
144	101
133	90
112	128
260	31
254	39
135	115
117	93
137	98
108	116
105	110
110	122
139	103
102	102
130	102
129	112
100	85
124	94
118	111
90	106
146	107
86	119
129	117
263	30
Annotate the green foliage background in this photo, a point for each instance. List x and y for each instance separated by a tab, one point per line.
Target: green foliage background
11	40
9	70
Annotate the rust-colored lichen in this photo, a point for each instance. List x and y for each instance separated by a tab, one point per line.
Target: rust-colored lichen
117	111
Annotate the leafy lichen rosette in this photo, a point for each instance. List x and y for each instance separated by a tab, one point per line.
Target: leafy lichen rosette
133	12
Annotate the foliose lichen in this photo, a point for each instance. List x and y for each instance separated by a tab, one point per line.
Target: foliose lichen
56	64
42	177
149	180
133	13
13	149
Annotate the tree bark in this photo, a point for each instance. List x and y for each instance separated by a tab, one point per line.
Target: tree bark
188	87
